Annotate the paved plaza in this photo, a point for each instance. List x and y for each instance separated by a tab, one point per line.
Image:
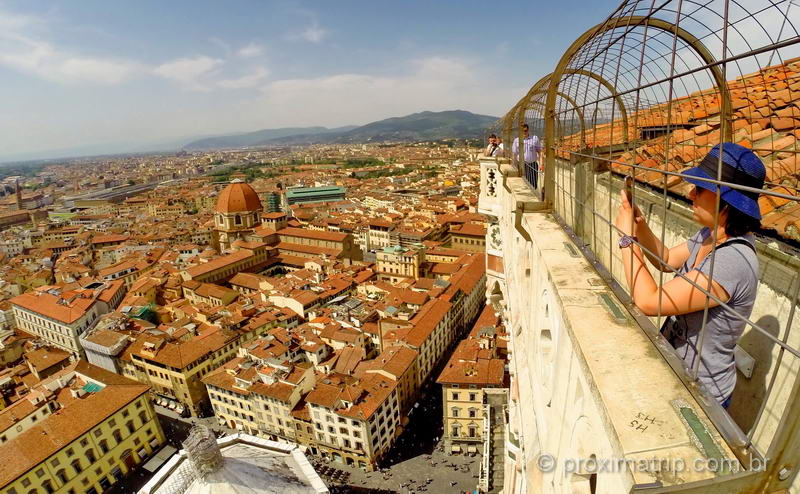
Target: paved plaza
416	463
436	473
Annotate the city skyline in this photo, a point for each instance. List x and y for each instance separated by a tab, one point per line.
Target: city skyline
116	79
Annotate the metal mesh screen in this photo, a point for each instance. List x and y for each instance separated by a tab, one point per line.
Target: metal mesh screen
646	94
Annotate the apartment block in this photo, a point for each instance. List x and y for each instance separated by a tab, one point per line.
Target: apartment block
79	431
59	316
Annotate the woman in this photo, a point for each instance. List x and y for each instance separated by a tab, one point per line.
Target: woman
734	280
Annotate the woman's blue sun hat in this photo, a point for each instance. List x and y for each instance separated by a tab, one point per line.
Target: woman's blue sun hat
740	166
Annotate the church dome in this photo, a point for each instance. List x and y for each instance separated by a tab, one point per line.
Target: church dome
238	197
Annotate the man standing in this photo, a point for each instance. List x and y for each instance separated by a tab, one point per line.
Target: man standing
495	148
532	148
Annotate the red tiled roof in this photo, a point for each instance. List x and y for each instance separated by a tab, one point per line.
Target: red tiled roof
238	197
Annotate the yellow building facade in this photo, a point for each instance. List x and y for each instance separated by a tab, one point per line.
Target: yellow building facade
104	429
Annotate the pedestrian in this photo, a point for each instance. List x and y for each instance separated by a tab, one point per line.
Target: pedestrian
532	148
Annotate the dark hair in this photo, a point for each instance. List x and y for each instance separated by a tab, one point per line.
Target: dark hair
738	223
525	126
492	136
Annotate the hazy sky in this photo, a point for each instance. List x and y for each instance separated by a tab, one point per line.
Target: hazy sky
105	72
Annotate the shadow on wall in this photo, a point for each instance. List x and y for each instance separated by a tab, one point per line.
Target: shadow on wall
749	393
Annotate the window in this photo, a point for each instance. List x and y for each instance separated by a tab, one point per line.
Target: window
62	476
70	452
48	487
90	456
454	431
472	431
472	413
76	465
125	412
473	396
84	442
129	425
455	396
103	446
454	412
40	473
117	435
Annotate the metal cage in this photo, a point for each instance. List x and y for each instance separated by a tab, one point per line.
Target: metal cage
646	94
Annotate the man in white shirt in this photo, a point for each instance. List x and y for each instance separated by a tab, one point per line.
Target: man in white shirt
532	147
495	148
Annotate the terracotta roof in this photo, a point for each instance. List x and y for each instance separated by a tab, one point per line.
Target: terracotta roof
66	425
469	229
45	357
219	263
766	118
66	307
426	321
314	234
238	197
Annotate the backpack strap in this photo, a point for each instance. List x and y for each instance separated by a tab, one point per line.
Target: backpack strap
738	240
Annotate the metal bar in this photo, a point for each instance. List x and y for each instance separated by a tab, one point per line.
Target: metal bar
682	175
774	375
757	51
723	304
666	140
715	229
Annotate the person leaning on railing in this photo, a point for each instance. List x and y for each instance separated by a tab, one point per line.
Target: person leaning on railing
734	280
532	147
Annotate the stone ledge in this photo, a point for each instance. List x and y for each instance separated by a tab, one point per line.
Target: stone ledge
525	199
629	378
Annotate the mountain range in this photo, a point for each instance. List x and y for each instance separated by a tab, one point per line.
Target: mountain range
423	126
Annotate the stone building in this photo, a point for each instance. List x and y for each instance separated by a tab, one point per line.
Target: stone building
236	214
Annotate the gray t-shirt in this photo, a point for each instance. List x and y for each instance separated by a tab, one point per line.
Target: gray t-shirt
736	270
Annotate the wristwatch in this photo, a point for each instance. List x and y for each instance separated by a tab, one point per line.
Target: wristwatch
627	241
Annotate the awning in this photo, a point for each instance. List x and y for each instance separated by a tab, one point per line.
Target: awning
456	448
154	463
472	449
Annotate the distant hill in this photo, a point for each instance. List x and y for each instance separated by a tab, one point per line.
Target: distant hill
259	137
423	126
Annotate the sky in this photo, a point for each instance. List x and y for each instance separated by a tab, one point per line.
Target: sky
100	76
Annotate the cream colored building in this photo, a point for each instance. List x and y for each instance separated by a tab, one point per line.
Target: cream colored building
60	316
352	423
396	264
477	364
174	369
80	430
